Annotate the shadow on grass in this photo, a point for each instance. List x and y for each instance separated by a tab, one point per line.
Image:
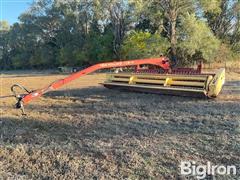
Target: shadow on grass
108	110
27	130
80	93
109	94
35	131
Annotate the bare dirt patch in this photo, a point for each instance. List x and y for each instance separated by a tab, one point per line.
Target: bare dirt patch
87	131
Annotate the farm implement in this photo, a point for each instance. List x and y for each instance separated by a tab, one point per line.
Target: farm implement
156	77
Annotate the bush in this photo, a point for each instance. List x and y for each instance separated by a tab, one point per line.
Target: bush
144	45
197	40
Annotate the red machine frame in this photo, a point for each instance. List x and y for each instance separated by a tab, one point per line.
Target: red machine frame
24	99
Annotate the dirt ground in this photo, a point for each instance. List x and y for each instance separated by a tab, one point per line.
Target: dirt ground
85	131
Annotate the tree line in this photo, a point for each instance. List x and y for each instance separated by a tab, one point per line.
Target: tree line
55	33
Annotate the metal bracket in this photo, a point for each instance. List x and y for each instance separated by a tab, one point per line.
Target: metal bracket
19	104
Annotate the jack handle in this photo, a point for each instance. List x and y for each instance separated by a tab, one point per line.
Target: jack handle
19	97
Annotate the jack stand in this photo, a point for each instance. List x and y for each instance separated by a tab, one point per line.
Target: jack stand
19	105
23	111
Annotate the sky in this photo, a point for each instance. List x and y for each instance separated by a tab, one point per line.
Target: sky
11	9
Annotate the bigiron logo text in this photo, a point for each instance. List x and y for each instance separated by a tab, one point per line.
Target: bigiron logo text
190	168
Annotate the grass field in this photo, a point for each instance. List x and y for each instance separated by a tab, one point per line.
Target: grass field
85	131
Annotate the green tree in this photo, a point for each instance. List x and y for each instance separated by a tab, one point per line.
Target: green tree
197	39
4	30
144	45
73	33
4	26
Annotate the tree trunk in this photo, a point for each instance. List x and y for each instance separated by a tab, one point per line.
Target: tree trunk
173	37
